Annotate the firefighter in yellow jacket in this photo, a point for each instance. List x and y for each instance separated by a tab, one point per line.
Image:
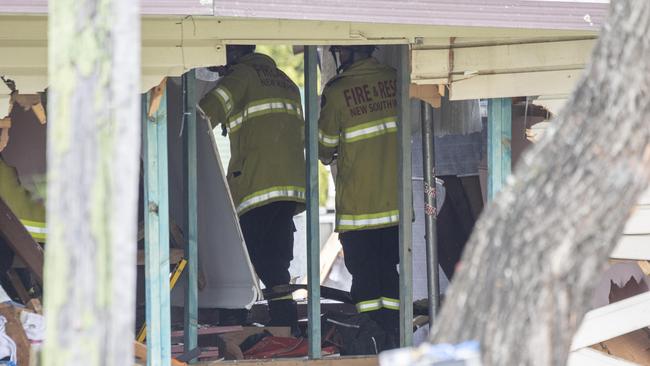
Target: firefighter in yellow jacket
259	107
358	128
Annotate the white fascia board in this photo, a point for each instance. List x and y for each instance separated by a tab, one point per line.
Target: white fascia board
613	320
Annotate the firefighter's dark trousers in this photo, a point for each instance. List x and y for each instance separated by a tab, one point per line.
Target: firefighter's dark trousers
268	232
372	256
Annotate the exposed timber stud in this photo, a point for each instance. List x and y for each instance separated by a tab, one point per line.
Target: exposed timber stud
156	225
313	237
405	201
499	144
191	244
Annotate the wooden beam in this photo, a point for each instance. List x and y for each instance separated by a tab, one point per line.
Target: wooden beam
154	119
19	240
328	255
311	179
17	283
191	244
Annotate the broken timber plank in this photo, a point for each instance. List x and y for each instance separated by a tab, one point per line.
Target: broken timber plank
20	241
328	255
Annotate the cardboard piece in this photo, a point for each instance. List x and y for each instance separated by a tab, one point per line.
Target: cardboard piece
429	93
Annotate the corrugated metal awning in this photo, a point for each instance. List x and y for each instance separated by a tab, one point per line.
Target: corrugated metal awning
530	14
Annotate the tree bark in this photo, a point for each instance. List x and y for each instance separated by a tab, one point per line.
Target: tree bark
93	150
530	267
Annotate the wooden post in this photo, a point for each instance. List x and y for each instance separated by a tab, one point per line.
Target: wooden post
93	161
313	238
156	227
405	199
499	149
191	250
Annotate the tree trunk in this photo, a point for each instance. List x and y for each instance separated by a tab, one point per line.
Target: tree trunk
93	150
530	267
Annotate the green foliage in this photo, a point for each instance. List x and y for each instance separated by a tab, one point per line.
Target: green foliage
292	65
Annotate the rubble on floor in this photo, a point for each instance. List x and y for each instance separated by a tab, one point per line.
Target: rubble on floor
22	329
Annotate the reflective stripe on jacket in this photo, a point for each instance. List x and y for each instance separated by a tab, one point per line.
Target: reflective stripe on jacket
261	110
378	304
30	212
358	121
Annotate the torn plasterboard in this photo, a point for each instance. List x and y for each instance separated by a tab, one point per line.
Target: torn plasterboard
223	258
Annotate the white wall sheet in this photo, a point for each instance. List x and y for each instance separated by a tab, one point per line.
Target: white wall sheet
230	279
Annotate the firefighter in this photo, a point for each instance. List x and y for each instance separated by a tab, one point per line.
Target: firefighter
358	129
259	108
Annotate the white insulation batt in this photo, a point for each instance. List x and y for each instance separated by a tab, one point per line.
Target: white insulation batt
223	258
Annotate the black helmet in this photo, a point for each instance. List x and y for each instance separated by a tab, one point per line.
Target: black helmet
361	48
241	48
235	51
357	52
